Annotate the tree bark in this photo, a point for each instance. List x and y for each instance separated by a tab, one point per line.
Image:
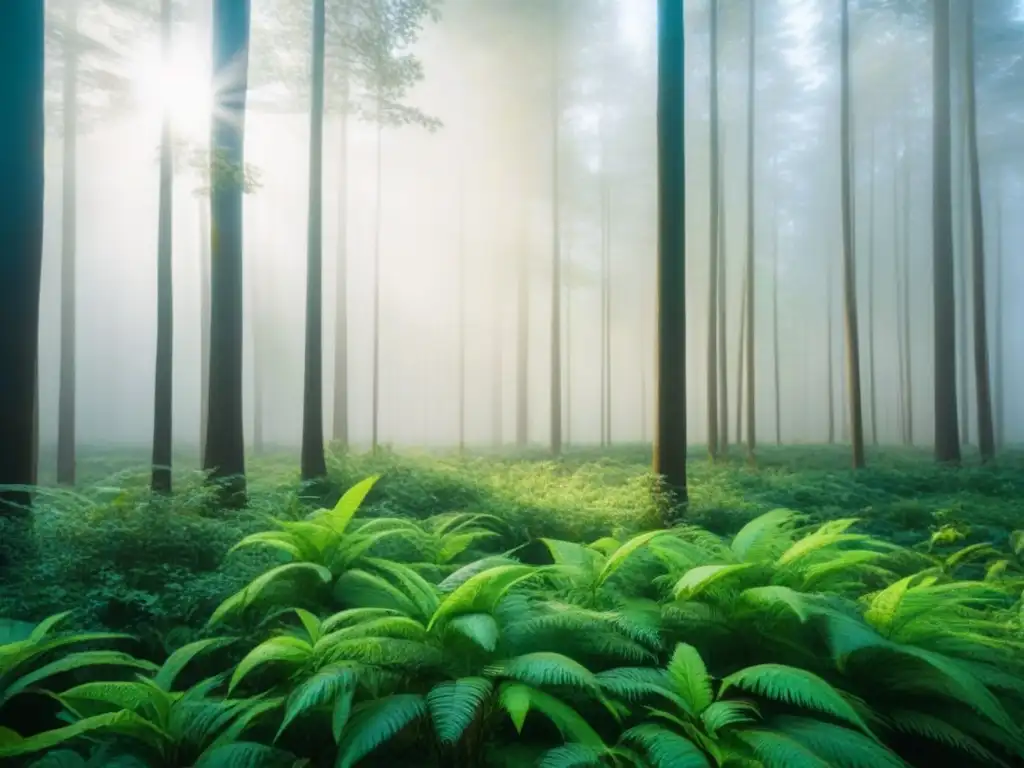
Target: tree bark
461	311
670	441
204	325
313	463
872	255
66	416
21	243
556	248
339	430
830	337
997	372
164	373
523	345
225	447
907	308
947	437
723	346
375	406
849	269
751	212
715	200
983	384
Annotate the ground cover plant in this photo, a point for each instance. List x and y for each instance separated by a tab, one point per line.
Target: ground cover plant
507	612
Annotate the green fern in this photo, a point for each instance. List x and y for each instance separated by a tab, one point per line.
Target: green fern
374	723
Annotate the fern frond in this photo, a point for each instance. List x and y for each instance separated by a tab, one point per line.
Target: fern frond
690	677
482	591
939	730
765	537
545	668
325	687
249	594
620	555
666	749
481	628
455	704
704	578
518	699
840	746
723	714
178	660
244	754
376	722
778	750
794	686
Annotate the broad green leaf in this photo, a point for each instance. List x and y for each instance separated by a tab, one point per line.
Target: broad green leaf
72	662
322	688
618	557
285	649
375	723
349	504
178	660
13	745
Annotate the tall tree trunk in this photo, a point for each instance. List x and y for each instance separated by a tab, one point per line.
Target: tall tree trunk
523	344
204	325
556	248
568	351
749	301
497	354
849	271
375	406
66	417
830	336
907	309
715	200
872	255
670	441
313	463
225	447
961	260
997	372
258	384
982	386
947	437
897	281
723	347
775	308
461	313
741	358
606	320
164	373
21	243
339	430
604	309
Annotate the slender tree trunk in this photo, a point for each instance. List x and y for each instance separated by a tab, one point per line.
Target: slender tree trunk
22	81
897	275
497	355
556	247
907	308
723	347
340	431
751	213
604	309
204	325
164	373
257	366
872	255
849	270
225	446
523	347
670	441
830	336
715	200
461	314
313	462
645	358
998	340
947	438
741	357
568	352
775	309
608	315
66	417
375	407
983	384
961	260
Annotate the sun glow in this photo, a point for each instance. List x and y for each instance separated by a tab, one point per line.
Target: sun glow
181	87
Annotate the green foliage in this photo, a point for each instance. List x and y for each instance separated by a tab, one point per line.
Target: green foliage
444	636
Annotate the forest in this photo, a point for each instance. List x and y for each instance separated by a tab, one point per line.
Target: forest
557	383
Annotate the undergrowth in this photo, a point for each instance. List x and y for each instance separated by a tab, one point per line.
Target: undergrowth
504	612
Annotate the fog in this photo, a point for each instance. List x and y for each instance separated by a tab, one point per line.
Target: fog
478	186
